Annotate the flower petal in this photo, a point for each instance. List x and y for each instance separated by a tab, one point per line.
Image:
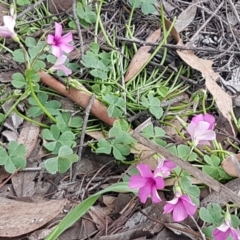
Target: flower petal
179	212
9	22
144	193
50	39
66	38
159	182
67	48
210	119
189	207
200	128
219	235
56	51
61	60
145	170
5	32
137	181
58	30
155	196
191	129
198	118
168	207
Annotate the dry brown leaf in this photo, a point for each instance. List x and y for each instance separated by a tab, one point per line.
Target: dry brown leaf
18	218
230	165
29	136
141	56
186	17
223	100
99	217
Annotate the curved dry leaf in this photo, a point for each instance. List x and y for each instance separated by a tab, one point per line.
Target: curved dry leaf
223	100
141	56
231	165
29	136
18	218
186	17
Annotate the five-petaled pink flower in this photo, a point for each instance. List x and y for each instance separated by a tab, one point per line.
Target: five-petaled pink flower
7	30
226	230
59	65
201	129
181	206
164	168
58	42
147	183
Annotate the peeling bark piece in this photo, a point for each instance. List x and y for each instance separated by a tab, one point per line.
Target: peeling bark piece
82	98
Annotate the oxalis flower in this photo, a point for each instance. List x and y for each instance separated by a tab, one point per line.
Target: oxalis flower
58	42
59	65
147	183
181	206
164	168
7	30
201	129
226	230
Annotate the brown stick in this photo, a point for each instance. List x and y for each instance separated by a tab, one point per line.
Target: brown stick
80	97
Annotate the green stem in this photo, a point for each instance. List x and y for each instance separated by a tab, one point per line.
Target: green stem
29	119
37	100
24	95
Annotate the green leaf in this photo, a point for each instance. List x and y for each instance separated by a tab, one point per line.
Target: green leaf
38	65
18	56
104	146
18	80
213	214
61	163
185	153
208	231
205	215
30	42
117	154
2	118
51	165
14	157
23	2
235	221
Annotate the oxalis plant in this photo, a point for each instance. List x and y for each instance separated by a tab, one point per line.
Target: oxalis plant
60	135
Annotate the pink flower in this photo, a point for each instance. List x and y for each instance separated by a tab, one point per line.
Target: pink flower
59	65
58	42
164	168
8	29
201	129
181	206
147	183
206	118
225	230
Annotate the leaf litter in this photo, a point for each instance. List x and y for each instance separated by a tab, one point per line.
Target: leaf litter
25	184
